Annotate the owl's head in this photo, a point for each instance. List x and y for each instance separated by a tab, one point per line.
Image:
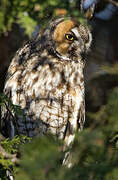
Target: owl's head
67	39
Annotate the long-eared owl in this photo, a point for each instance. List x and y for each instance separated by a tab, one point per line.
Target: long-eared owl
45	78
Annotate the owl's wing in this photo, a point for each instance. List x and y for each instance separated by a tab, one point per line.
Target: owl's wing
25	80
7	123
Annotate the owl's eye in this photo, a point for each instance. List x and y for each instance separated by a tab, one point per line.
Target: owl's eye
69	37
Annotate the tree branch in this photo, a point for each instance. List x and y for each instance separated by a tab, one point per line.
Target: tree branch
113	2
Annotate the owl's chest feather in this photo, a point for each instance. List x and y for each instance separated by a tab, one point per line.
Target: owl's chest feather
57	80
69	72
51	92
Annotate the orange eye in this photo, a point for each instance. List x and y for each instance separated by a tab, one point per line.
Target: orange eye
69	37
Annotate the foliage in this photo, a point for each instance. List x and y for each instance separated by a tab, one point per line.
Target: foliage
5	164
13	11
43	162
95	159
12	146
9	150
29	13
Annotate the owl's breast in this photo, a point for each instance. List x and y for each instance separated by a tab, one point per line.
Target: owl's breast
47	93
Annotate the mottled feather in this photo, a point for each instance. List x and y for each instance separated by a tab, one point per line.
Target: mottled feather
45	78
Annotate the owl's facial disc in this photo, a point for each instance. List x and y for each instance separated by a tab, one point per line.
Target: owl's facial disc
63	38
69	41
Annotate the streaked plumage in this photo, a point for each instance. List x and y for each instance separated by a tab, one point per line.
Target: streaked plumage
46	79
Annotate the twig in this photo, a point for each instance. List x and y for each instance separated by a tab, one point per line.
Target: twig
113	2
6	155
13	118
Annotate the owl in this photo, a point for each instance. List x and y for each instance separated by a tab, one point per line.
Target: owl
45	78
